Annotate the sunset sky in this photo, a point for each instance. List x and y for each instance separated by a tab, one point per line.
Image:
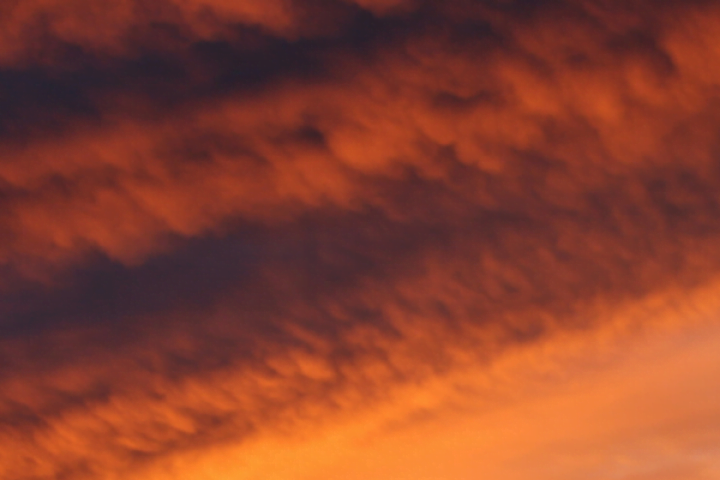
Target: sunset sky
360	239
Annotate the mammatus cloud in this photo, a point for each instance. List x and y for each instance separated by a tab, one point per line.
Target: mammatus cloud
225	219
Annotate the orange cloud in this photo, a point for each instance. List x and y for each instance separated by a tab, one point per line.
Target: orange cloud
226	220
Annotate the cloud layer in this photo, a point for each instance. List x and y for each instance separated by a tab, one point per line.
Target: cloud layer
222	219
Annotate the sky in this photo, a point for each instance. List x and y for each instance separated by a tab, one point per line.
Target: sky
352	239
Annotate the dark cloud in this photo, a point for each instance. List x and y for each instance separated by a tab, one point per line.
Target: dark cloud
226	305
221	219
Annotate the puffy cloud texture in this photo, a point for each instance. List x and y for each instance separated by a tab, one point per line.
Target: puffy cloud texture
229	228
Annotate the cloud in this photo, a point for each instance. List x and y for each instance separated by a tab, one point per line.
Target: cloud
219	219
